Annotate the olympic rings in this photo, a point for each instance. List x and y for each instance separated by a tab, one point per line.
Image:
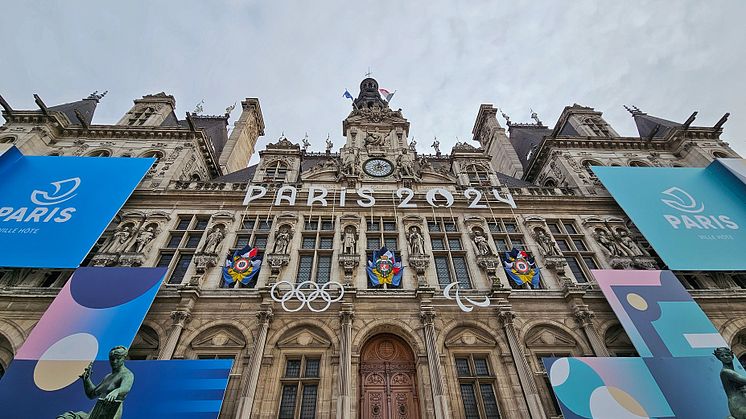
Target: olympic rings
298	292
464	308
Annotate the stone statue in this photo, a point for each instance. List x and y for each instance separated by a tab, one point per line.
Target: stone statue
282	240
548	246
112	390
329	145
416	241
481	243
306	144
120	239
145	237
734	384
425	164
602	237
349	240
436	146
350	163
628	245
213	241
374	139
413	145
405	165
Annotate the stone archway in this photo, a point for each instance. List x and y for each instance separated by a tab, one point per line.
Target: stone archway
388	379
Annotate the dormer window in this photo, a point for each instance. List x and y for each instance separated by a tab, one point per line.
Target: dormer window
157	155
598	126
139	117
478	176
276	171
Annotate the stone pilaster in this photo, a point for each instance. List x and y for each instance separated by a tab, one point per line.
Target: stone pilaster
344	402
584	316
180	319
440	401
250	376
525	375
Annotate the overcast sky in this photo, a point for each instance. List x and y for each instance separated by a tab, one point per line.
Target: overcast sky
444	58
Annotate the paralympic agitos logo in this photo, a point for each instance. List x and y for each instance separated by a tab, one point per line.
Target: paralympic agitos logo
693	213
48	208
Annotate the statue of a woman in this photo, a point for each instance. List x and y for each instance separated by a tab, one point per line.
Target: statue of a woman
734	384
112	390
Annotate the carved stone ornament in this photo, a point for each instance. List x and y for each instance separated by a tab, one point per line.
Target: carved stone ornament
419	263
104	259
131	259
203	261
644	262
348	264
276	262
555	263
490	264
620	262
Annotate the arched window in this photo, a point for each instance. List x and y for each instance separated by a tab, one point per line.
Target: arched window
145	345
720	155
99	153
587	164
195	177
7	140
6	354
637	163
550	183
478	175
276	171
157	155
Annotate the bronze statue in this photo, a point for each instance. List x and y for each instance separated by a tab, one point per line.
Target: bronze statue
111	392
734	384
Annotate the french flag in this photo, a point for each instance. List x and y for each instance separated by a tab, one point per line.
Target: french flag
386	94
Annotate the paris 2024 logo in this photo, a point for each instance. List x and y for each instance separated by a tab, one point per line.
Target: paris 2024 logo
691	213
48	201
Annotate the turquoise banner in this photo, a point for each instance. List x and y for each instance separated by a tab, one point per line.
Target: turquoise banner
695	218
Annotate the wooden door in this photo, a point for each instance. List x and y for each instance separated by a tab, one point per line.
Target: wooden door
388	380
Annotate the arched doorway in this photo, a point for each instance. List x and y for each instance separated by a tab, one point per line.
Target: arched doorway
388	379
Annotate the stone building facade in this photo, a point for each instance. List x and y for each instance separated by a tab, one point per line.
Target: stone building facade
376	352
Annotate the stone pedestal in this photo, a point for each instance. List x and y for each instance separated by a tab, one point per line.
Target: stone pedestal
419	263
204	261
348	263
276	262
644	262
491	264
105	259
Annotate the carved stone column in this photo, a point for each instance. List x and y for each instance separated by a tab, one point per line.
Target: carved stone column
180	319
251	374
585	316
525	375
344	402
440	402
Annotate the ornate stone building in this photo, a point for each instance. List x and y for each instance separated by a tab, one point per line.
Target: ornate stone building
374	352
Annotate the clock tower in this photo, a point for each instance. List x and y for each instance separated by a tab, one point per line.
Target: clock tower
376	147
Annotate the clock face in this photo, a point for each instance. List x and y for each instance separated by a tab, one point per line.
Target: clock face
378	167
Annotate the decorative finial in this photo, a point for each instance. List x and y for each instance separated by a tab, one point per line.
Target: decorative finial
369	73
507	118
199	109
96	96
634	111
230	109
535	117
306	143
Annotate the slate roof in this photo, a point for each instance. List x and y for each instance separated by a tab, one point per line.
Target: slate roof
523	138
239	176
86	107
648	126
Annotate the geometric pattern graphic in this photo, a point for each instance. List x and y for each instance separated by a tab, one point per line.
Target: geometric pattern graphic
682	211
53	208
98	309
677	374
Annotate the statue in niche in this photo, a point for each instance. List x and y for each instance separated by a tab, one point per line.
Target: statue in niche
416	241
349	241
350	163
480	242
734	384
374	139
213	240
120	239
145	237
405	165
627	245
111	392
282	240
602	237
548	246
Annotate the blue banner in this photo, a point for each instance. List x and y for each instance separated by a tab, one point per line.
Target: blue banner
693	217
53	209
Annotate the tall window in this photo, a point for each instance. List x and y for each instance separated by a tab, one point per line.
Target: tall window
182	244
276	171
141	116
254	230
506	235
478	176
382	231
448	252
315	254
574	248
300	386
476	382
598	126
